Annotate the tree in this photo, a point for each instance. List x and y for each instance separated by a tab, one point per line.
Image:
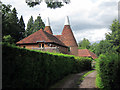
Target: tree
34	26
13	16
93	47
10	22
114	36
50	3
30	27
14	28
22	27
38	24
8	39
5	23
104	47
84	44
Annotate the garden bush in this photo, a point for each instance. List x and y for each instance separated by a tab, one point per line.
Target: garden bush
108	71
23	68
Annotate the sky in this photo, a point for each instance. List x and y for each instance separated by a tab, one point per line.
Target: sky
89	19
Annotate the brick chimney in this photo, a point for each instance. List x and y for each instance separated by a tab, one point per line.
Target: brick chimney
47	27
68	38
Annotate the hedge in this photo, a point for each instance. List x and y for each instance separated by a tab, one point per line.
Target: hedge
23	68
108	71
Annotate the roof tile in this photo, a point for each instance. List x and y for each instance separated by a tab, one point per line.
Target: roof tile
68	37
40	36
86	53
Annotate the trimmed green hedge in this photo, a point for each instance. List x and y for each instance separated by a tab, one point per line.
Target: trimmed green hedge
23	68
108	71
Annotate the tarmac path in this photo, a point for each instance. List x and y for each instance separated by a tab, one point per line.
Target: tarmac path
71	81
89	81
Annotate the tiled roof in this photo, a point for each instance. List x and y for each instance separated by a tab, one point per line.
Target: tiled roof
86	53
59	37
40	36
68	37
48	29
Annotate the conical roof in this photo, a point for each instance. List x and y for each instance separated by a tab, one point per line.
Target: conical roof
47	27
67	35
67	22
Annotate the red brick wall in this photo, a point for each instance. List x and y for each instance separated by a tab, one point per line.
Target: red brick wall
61	49
74	51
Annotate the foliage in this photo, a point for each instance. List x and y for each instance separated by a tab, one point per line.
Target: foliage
93	47
38	24
50	3
108	63
111	42
23	68
33	26
103	47
10	23
22	26
30	27
8	39
108	71
114	36
84	44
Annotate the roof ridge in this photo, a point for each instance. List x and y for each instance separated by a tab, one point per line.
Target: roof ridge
54	40
46	35
48	29
27	37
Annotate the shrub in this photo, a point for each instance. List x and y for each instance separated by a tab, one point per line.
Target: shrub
108	71
8	39
23	68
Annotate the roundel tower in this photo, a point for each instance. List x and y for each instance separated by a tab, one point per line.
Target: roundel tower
68	38
47	27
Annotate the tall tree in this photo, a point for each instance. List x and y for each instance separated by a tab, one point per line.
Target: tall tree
103	47
22	27
30	27
10	22
5	23
114	36
13	16
38	24
93	47
111	43
84	44
14	26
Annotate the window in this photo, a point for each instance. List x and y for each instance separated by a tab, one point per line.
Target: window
48	44
68	49
40	45
23	46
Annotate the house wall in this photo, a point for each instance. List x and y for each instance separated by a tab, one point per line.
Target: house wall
63	50
74	51
60	48
28	46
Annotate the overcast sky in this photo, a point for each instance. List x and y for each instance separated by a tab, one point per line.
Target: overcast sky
89	19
